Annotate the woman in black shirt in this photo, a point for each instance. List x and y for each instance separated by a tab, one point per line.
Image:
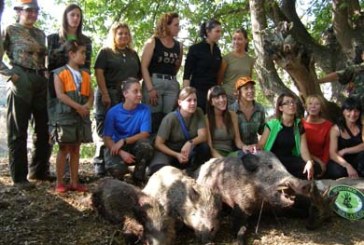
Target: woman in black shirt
161	60
203	61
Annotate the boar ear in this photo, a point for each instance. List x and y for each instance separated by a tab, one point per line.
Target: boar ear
194	195
250	162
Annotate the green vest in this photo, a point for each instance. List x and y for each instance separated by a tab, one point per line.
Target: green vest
275	126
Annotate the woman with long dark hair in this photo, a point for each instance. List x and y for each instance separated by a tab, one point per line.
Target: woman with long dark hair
222	125
203	61
346	143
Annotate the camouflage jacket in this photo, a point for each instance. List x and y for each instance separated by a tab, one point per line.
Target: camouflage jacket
353	76
25	47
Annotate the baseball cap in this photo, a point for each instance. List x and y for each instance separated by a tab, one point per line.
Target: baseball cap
243	81
26	4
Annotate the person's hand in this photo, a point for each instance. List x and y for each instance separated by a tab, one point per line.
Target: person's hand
352	173
127	157
249	149
153	97
187	148
83	110
309	169
117	146
14	78
106	101
342	152
182	158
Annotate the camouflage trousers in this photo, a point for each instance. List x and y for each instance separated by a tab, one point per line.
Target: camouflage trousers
142	150
27	102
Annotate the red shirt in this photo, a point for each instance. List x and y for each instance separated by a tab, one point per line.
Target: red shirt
318	138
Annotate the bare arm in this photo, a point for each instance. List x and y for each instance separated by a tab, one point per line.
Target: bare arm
162	147
145	62
179	58
238	142
263	138
214	152
306	156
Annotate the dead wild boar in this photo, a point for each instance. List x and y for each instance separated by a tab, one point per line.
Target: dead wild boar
244	183
197	206
143	219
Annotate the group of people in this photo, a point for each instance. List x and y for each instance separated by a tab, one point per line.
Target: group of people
155	123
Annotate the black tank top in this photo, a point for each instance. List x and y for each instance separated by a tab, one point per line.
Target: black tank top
164	60
352	141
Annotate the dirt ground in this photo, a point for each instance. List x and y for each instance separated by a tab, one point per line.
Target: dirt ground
40	216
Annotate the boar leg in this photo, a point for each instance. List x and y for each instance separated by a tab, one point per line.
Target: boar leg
240	224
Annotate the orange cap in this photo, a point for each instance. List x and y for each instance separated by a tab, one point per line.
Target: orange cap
243	81
26	4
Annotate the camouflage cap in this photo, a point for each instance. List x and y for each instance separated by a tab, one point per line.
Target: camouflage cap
243	81
26	4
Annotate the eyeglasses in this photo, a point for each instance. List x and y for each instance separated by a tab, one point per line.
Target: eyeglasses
289	102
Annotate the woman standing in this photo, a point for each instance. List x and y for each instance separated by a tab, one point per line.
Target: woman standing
251	114
346	143
181	138
126	131
25	47
317	131
203	61
114	64
222	125
236	64
161	60
286	138
71	30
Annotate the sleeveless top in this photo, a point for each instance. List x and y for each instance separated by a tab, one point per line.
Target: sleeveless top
223	140
164	60
352	141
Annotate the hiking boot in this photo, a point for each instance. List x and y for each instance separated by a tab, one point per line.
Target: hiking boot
24	185
42	177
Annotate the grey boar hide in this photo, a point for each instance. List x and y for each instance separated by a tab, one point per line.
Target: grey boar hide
143	219
245	183
197	206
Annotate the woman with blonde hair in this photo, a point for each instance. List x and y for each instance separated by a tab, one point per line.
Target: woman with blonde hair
114	64
317	131
161	60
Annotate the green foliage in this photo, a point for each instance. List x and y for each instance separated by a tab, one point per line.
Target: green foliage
86	150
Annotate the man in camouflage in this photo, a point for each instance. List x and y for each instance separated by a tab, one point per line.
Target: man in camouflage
26	95
352	76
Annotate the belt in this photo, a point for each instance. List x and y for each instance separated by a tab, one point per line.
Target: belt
35	71
164	76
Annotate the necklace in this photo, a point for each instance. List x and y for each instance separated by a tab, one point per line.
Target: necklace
123	53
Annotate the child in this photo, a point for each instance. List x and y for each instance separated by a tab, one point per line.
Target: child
72	121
